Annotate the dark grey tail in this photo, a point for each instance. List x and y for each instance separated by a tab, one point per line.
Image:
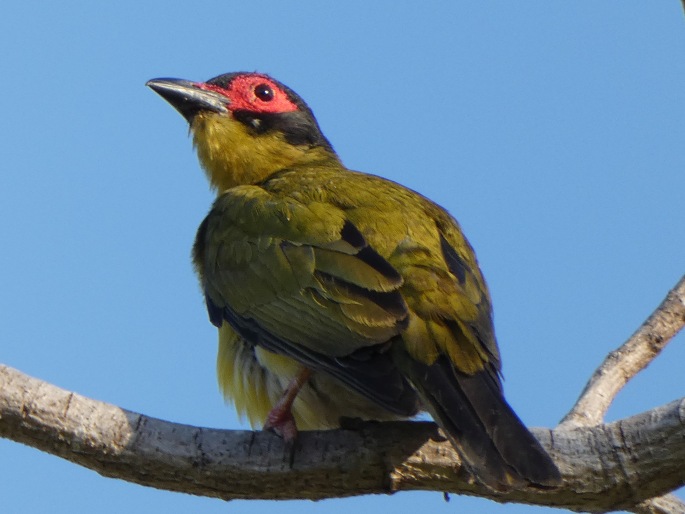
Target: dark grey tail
491	439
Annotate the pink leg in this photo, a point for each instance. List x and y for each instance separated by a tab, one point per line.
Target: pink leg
280	418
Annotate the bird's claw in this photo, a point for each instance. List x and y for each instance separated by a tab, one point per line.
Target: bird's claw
282	423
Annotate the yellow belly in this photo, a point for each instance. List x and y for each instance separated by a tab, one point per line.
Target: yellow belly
253	379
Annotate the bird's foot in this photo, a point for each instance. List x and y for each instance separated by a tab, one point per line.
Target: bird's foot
280	419
282	422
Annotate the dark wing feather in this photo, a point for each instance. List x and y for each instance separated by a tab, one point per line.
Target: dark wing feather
460	383
490	437
371	372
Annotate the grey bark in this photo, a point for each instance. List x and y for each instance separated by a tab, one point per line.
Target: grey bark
630	464
616	466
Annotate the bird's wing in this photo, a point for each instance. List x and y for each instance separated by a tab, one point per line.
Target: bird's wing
449	305
299	279
450	355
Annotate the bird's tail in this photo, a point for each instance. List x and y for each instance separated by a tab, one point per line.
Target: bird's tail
491	439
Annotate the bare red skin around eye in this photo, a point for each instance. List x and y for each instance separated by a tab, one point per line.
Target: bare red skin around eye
241	93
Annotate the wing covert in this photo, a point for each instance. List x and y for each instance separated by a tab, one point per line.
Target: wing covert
302	281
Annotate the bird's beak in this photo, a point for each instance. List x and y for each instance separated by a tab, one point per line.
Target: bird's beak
189	98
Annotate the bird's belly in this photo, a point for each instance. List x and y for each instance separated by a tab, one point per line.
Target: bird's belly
253	379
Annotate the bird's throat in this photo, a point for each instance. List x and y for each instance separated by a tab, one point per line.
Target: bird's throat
232	155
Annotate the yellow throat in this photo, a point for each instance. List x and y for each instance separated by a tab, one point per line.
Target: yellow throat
231	154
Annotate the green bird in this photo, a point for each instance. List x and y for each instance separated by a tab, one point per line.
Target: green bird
340	294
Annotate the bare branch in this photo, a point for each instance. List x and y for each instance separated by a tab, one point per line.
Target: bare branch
625	362
608	467
668	504
623	465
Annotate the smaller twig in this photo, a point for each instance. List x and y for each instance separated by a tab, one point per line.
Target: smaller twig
667	504
627	361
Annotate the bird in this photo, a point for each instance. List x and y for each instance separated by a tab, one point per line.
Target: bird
339	294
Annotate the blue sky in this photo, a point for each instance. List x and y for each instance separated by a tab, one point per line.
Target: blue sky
553	131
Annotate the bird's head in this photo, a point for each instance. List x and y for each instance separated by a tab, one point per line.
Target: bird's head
245	126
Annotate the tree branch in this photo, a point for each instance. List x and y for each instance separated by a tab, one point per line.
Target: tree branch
667	504
627	361
607	467
623	364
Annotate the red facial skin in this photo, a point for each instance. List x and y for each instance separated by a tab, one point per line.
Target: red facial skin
244	95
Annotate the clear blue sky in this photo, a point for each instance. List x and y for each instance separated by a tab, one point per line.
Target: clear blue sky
553	131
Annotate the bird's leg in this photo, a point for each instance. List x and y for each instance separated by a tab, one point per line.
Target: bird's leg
280	418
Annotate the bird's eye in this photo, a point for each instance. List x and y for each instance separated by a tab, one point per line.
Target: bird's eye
264	92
